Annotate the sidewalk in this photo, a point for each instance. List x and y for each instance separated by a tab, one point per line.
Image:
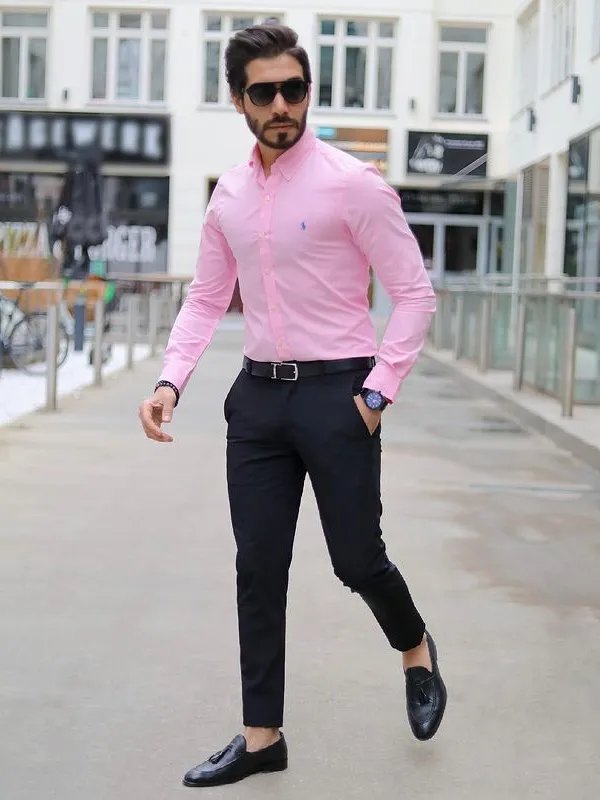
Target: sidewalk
21	394
580	434
119	638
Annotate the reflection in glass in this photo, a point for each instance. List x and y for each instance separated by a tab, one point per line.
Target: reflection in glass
36	84
128	74
448	82
456	34
326	76
11	48
99	67
474	93
158	54
384	77
460	245
356	59
211	74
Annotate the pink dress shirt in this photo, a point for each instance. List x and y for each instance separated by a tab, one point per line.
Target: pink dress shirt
301	242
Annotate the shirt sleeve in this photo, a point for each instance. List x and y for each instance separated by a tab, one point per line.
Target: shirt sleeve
377	224
207	300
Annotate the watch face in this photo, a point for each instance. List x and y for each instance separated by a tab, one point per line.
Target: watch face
373	400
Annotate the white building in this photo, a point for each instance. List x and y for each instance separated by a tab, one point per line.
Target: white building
425	88
555	136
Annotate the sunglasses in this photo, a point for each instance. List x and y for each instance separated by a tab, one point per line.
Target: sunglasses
262	94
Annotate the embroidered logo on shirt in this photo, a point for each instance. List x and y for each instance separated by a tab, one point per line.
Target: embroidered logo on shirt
303	225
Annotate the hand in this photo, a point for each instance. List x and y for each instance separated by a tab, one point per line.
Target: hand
371	418
156	410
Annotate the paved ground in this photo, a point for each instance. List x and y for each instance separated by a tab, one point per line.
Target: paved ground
118	663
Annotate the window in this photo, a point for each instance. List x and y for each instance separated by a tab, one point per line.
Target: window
217	30
355	64
527	78
563	40
129	54
462	69
23	54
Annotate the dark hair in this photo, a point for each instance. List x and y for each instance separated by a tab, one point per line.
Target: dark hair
261	41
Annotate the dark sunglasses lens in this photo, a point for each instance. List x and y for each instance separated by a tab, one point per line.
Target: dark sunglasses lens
293	91
262	94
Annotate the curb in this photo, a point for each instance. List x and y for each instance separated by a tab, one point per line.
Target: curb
586	452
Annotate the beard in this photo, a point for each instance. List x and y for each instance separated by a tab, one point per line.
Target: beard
279	139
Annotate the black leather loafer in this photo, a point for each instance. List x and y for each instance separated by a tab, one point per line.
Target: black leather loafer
425	696
234	763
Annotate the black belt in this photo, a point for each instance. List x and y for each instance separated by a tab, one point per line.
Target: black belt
292	370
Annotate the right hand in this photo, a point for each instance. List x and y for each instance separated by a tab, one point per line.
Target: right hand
156	410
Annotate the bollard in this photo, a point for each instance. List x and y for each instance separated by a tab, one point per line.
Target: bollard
484	340
51	357
153	321
98	341
132	325
460	314
79	319
520	346
569	356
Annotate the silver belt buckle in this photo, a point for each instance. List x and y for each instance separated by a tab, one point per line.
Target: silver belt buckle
276	364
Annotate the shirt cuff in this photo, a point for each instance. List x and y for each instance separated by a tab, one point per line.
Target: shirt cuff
384	379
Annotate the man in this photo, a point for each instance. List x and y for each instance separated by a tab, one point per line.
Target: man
299	225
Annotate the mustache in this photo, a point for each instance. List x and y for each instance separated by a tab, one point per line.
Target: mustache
282	121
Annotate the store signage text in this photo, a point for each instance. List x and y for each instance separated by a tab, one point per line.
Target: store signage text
133	244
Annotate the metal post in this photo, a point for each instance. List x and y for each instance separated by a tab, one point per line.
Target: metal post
484	333
438	321
51	357
132	324
98	341
569	355
520	346
460	315
79	317
153	321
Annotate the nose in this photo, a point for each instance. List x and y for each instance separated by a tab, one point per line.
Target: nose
279	105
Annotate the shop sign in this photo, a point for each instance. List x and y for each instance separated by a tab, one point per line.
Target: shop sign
438	153
49	136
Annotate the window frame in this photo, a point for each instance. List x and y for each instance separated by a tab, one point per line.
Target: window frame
222	36
463	49
24	34
113	34
340	40
560	59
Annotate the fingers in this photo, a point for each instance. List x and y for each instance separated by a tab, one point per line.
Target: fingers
151	416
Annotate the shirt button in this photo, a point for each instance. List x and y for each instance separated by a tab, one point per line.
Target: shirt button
267	197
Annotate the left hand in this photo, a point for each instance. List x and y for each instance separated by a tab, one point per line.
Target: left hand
371	418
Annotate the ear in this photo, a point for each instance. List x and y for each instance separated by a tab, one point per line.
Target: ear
238	102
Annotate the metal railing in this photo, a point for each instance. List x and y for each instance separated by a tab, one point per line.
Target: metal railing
549	336
142	312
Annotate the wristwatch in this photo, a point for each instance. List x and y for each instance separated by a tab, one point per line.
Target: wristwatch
374	400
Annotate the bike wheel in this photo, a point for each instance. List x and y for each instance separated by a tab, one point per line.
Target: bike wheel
27	344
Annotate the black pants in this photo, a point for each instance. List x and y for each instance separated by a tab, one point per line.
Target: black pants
277	432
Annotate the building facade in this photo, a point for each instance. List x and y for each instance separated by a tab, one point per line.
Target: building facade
483	116
412	86
554	151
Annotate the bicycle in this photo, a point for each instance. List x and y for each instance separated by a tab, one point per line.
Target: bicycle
23	335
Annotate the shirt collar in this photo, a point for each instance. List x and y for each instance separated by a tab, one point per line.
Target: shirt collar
289	161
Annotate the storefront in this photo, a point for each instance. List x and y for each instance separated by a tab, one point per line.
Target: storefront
135	163
582	241
458	219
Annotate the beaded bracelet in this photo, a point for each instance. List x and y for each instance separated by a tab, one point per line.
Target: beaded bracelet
171	386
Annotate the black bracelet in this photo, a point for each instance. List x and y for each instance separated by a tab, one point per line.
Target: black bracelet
171	386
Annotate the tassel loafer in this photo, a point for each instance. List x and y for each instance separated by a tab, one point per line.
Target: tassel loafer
234	763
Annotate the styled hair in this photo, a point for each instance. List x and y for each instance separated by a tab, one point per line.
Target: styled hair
261	41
